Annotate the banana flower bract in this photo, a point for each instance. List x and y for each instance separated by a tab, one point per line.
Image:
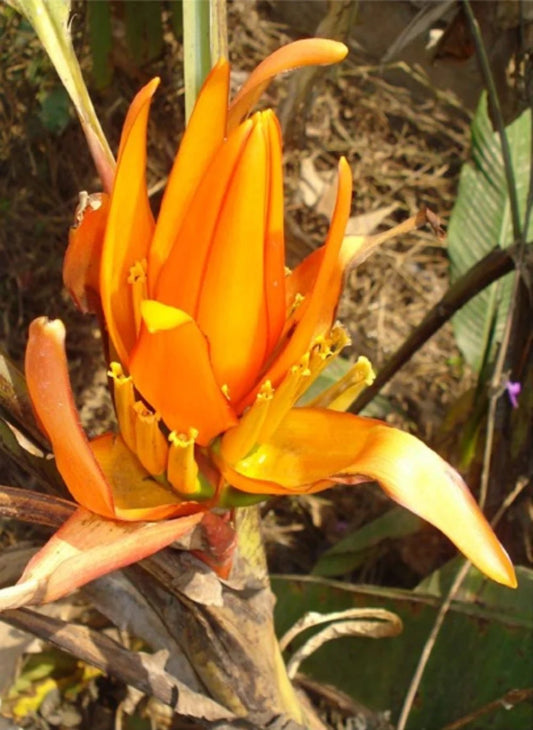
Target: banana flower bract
212	342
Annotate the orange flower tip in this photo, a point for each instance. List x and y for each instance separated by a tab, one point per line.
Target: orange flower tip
319	51
510	577
338	51
53	328
501	569
152	85
344	166
221	63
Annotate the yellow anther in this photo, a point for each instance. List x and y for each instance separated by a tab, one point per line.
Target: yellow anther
139	292
323	351
240	440
182	469
124	402
225	390
151	446
296	302
340	395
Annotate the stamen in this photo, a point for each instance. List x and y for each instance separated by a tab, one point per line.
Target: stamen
139	290
182	469
151	445
285	397
225	391
300	377
296	302
340	395
240	440
124	402
322	352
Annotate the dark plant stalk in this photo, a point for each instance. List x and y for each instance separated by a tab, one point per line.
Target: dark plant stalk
29	506
493	266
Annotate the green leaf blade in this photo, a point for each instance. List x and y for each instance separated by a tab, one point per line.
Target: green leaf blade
480	221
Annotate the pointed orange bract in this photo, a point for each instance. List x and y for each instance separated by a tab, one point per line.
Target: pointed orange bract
204	134
274	245
51	395
306	52
231	308
128	236
181	280
316	313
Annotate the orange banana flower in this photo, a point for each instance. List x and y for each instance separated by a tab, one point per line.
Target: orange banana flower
213	343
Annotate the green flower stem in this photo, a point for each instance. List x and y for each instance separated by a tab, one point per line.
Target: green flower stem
196	49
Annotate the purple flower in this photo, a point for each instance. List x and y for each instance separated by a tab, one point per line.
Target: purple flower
513	390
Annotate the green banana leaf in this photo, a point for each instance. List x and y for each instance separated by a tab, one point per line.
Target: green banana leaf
485	649
353	549
480	221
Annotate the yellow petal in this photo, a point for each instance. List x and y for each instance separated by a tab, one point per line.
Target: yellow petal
129	228
306	52
204	134
313	445
51	395
137	495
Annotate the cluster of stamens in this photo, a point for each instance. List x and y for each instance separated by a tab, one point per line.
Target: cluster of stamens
167	457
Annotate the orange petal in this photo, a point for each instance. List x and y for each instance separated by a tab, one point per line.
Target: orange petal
315	315
306	52
81	266
232	308
313	445
51	395
86	547
204	134
129	228
180	280
274	238
171	369
137	495
302	279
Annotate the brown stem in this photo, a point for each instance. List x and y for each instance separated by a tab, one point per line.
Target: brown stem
28	506
135	668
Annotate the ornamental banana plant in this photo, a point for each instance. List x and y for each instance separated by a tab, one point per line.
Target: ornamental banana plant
211	344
